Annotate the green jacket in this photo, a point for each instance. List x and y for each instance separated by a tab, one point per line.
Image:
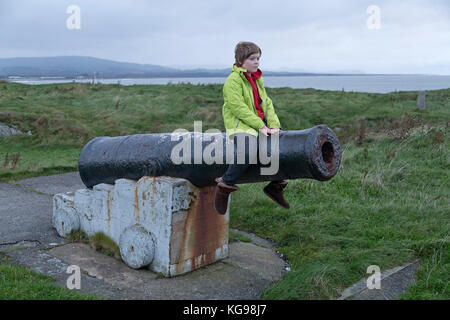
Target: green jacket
239	112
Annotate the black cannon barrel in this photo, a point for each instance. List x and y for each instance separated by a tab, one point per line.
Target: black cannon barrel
313	153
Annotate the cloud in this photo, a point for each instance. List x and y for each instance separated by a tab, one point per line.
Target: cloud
317	36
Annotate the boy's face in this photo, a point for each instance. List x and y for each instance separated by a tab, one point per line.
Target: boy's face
252	62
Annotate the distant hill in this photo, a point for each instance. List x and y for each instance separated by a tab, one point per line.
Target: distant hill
76	66
85	67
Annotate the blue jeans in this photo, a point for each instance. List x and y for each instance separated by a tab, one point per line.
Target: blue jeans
235	170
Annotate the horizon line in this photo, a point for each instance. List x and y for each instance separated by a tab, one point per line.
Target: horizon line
205	68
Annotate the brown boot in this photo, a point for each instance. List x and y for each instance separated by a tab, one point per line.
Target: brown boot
222	193
274	190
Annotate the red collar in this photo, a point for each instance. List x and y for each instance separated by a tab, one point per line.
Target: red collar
253	75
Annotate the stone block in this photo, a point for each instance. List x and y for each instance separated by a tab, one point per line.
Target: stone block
421	100
65	218
163	223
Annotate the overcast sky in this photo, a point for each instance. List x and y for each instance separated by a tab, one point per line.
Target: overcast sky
317	36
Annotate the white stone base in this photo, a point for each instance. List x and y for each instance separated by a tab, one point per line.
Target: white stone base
163	223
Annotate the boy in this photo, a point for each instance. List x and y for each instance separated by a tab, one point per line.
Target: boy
247	111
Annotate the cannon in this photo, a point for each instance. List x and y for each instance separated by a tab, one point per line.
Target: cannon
313	153
160	210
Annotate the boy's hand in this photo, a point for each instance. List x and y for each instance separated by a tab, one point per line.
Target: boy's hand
274	130
265	131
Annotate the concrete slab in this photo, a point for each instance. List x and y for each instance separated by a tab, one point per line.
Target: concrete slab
44	263
243	275
256	240
53	184
394	282
258	260
25	216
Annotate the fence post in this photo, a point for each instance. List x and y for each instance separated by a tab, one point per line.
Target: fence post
421	100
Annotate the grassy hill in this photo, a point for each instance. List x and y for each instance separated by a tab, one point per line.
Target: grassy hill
73	66
388	204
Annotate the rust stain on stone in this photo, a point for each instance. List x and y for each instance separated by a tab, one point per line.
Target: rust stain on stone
204	231
108	218
136	203
154	185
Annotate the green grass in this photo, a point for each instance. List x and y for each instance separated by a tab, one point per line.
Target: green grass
378	210
99	242
388	204
234	236
104	244
20	283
